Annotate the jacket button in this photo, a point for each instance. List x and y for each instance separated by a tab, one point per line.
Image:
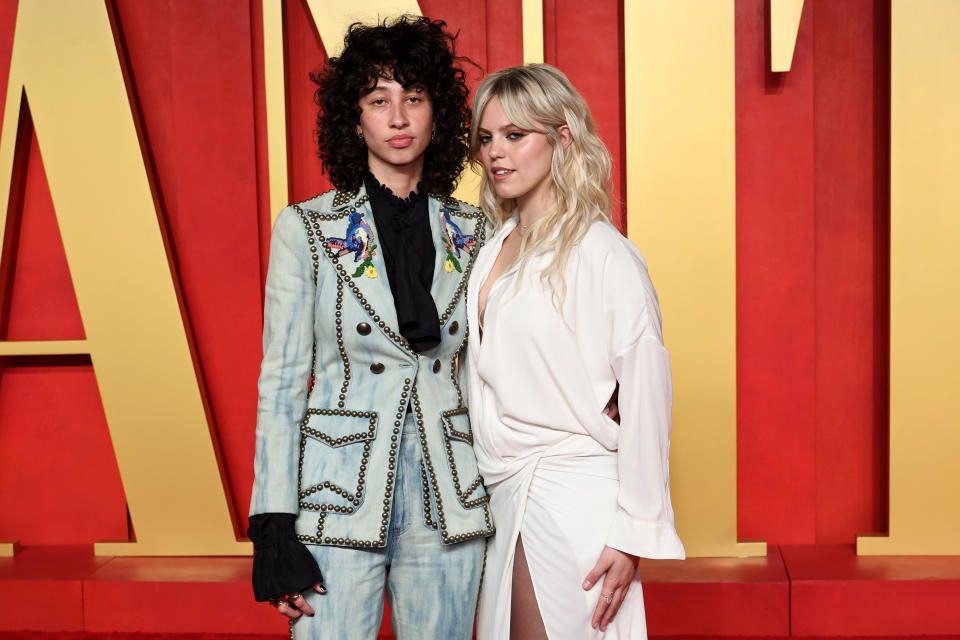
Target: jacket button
436	366
454	327
363	328
377	367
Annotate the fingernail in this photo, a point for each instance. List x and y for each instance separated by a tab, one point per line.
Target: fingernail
587	584
322	590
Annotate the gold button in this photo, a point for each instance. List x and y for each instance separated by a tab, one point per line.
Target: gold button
377	367
363	329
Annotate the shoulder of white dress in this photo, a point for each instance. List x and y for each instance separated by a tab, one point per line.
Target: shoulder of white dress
607	256
603	241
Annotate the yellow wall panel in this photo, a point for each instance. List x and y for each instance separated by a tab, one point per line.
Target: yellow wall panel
784	26
679	78
924	272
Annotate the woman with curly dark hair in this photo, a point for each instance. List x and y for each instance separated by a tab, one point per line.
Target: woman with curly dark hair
364	465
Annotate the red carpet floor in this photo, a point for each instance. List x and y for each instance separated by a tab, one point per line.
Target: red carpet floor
822	592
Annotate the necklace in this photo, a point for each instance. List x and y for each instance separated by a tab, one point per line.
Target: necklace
523	227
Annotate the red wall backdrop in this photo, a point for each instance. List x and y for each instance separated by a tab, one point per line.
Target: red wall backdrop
812	275
812	256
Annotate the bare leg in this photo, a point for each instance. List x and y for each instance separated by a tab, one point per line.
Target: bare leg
525	620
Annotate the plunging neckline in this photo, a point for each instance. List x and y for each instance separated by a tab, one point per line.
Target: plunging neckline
482	311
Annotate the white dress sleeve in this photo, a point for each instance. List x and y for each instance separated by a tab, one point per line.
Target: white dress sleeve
644	524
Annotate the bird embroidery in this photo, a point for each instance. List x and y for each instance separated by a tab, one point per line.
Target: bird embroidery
453	241
455	236
359	241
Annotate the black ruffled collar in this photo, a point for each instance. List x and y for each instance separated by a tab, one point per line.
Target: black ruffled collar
375	189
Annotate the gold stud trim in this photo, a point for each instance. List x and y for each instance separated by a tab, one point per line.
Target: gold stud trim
344	359
446	415
450	431
343	196
432	476
479	232
454	367
388	494
427	510
348	439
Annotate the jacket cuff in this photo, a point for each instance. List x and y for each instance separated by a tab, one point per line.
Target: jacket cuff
656	540
282	563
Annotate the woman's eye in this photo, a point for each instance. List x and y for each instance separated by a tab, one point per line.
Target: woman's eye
484	139
514	135
378	101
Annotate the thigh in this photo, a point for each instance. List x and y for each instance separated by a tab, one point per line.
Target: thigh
432	587
352	608
525	620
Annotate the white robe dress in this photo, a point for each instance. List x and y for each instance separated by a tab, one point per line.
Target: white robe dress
560	473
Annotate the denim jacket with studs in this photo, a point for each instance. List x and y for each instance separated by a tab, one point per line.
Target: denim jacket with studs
337	378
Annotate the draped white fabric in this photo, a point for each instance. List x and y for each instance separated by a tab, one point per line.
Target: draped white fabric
560	473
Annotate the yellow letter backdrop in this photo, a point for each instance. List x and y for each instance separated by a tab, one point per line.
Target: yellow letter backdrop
924	272
532	11
784	25
276	107
131	316
681	213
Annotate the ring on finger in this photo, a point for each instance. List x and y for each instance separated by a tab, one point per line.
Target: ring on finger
608	597
294	596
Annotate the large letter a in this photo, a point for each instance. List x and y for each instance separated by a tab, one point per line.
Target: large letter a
65	65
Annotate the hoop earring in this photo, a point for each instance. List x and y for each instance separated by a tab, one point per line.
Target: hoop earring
360	137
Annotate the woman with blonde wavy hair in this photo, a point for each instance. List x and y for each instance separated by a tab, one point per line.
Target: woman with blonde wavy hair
562	311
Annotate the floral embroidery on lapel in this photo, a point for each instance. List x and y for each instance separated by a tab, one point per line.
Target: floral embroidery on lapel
454	241
358	240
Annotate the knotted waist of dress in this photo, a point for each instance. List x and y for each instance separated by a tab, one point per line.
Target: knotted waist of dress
577	454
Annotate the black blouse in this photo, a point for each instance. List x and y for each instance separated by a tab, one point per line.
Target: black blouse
406	241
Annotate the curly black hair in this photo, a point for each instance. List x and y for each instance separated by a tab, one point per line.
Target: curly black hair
413	51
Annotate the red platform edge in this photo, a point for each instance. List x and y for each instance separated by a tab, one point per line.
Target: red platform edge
834	592
811	591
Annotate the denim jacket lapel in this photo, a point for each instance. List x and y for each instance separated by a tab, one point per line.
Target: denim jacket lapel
457	237
352	244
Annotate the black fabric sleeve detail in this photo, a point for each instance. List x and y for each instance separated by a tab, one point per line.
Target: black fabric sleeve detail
282	563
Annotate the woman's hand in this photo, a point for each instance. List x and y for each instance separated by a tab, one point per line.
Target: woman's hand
620	568
295	605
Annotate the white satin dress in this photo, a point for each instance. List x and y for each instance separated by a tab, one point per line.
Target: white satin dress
560	473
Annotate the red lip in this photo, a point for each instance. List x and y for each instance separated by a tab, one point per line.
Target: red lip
500	178
400	142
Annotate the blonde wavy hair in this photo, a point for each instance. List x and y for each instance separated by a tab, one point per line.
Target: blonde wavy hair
539	97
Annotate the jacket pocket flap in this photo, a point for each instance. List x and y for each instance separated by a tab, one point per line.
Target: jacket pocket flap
339	427
456	424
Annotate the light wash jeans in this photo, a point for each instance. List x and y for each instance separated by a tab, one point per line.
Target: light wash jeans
432	587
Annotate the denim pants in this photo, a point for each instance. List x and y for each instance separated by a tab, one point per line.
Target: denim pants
432	587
